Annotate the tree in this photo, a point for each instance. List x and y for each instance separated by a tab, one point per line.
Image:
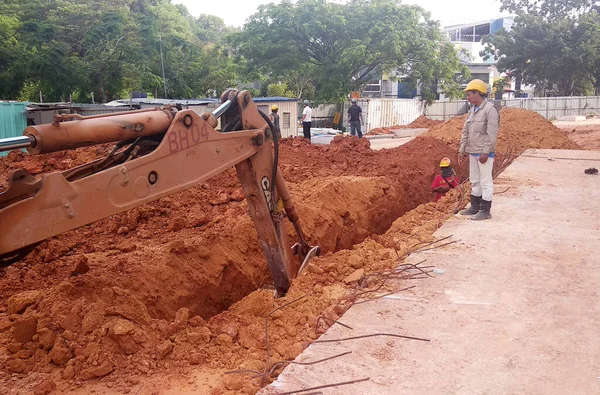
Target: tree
499	86
553	44
590	45
301	84
549	9
110	47
11	50
279	90
345	46
211	29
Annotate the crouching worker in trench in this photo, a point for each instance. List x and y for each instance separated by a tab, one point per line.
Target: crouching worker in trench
446	181
478	140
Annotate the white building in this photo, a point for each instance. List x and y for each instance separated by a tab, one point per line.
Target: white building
467	39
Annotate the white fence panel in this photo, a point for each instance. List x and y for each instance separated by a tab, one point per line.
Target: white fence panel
549	107
379	113
364	105
390	112
444	110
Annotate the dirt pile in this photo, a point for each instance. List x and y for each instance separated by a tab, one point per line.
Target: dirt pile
137	293
412	164
422	122
519	129
585	136
36	164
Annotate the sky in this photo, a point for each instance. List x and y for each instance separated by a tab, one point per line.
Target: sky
448	12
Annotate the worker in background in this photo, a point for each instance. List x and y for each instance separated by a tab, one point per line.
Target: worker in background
306	119
445	181
478	140
274	117
355	118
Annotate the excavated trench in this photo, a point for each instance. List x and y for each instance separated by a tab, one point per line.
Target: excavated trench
207	274
124	284
208	270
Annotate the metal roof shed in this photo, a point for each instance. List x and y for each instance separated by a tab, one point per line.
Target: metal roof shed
288	113
288	109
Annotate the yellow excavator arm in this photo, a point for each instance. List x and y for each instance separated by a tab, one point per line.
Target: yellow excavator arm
159	152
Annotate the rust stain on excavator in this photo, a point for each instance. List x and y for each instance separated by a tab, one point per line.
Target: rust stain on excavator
135	127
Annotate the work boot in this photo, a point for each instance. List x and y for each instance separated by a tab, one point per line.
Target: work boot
484	211
475	206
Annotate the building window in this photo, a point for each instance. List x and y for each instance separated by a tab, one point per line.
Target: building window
481	76
454	35
466	34
481	31
286	120
373	86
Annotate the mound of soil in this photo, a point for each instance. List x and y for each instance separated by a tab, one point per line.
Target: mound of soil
586	136
421	122
519	129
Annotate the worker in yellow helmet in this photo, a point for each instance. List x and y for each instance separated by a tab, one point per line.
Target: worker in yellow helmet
274	117
478	140
445	181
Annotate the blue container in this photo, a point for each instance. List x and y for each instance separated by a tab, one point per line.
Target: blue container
12	120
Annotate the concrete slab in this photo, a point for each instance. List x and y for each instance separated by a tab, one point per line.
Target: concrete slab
513	309
378	144
322	139
572	118
587	122
380	136
409	132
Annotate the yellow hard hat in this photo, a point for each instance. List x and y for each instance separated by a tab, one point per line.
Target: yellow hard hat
445	162
274	107
477	85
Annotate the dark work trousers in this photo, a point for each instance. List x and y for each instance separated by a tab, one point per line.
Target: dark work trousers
306	129
355	125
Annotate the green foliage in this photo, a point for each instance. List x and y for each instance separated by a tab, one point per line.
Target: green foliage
549	9
110	48
301	84
29	91
338	48
254	92
279	90
307	49
554	45
498	87
501	83
212	29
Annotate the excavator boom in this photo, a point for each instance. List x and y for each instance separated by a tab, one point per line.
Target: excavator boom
160	152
